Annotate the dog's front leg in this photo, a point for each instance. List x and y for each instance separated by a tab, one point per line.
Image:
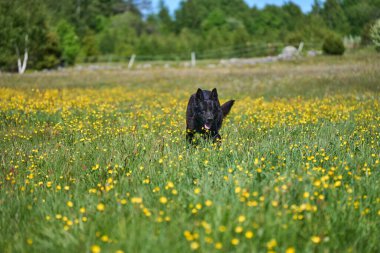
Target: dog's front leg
216	138
189	135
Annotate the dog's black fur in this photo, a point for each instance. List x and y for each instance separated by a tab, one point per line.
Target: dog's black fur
204	114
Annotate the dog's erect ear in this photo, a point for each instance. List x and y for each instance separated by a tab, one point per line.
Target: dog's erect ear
214	94
226	107
199	95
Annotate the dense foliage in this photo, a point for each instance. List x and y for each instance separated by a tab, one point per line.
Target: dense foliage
375	34
333	45
61	32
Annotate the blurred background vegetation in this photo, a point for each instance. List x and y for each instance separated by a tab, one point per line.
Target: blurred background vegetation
60	33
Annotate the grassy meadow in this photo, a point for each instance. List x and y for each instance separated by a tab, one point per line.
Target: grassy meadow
95	160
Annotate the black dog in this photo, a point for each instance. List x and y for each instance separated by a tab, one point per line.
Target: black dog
204	114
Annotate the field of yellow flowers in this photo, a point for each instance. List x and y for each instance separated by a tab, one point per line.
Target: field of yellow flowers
105	167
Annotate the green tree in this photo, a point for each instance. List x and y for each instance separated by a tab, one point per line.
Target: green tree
69	42
335	17
216	18
269	23
50	53
121	34
188	42
360	13
87	15
215	40
191	14
240	38
24	28
317	7
166	22
106	42
89	47
294	19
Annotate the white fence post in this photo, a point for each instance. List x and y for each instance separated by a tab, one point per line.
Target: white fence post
131	61
300	47
193	60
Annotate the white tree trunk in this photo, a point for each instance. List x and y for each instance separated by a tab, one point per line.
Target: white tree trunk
22	66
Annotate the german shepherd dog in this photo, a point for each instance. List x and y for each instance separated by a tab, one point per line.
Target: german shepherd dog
204	115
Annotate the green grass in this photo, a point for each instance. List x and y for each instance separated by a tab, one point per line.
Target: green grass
298	166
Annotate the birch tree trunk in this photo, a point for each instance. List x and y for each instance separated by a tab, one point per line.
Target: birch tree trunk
22	65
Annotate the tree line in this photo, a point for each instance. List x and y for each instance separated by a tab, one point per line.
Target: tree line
55	33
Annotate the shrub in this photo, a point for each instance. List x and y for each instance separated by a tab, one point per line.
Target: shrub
375	34
333	45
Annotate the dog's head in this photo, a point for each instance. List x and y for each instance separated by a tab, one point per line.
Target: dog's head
209	110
